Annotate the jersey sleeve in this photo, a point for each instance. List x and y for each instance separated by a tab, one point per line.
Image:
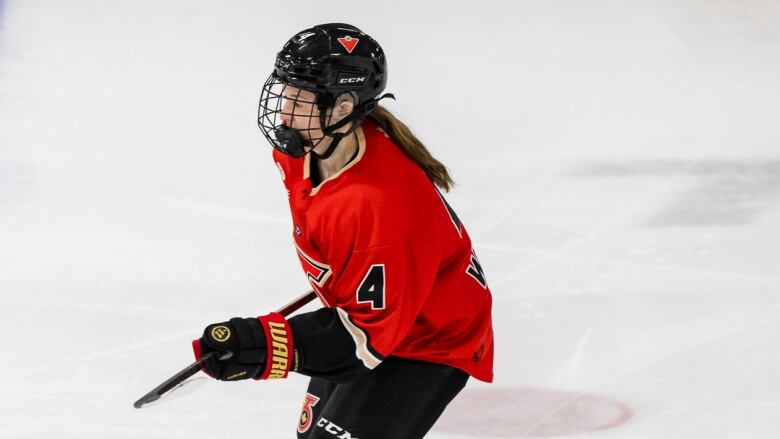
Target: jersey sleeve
380	284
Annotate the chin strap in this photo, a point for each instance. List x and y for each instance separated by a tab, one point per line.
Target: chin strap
357	115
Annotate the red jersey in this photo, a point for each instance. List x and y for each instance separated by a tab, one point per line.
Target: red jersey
381	246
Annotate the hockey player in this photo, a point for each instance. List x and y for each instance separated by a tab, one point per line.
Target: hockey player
407	311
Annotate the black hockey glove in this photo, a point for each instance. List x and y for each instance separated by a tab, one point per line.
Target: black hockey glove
246	343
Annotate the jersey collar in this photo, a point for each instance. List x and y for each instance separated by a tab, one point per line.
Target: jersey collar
361	150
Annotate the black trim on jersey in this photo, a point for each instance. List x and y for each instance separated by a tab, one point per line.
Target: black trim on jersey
325	348
475	270
314	171
453	216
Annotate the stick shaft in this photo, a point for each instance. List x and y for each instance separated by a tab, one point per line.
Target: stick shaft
197	366
297	304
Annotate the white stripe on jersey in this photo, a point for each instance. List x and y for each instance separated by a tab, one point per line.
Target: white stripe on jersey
361	341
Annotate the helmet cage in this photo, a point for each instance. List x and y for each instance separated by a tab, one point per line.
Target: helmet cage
271	110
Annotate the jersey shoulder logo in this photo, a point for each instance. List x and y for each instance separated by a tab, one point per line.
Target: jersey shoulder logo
318	273
348	42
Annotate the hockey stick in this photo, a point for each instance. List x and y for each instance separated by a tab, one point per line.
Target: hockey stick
197	366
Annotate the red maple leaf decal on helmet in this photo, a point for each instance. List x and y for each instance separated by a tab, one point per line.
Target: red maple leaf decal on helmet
348	42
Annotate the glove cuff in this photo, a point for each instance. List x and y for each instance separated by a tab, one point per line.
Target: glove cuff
279	345
196	349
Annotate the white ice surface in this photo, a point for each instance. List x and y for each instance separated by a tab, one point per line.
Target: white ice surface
618	166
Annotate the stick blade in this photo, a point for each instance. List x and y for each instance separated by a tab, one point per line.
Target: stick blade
146	400
173	381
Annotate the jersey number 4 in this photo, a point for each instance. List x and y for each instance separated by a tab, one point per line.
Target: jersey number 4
372	288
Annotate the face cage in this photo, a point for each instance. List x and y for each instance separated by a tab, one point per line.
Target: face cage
269	118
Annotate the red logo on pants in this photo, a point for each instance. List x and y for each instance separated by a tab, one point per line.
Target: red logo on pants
304	422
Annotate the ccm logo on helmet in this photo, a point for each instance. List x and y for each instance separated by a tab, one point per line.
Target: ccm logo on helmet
355	80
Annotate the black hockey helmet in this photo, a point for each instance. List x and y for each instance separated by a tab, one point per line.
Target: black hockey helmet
328	60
